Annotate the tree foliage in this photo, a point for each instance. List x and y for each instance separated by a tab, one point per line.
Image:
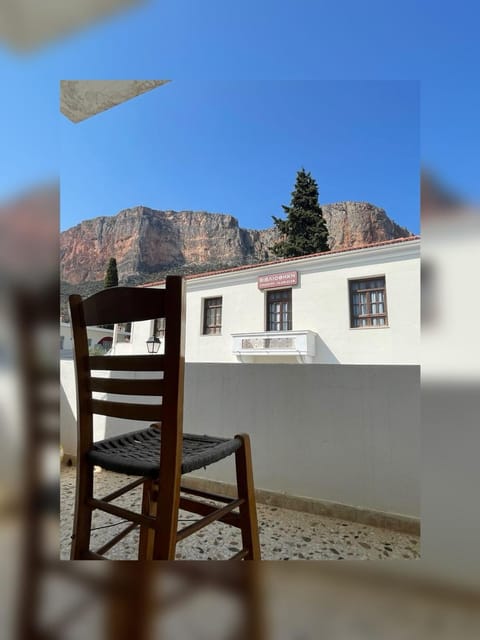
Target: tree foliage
111	274
304	230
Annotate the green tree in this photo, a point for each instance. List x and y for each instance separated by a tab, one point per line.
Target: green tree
110	280
304	230
111	274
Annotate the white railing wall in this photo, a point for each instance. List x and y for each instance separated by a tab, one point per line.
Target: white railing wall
343	433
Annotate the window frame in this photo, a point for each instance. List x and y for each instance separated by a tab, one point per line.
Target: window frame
205	326
158	329
270	292
369	316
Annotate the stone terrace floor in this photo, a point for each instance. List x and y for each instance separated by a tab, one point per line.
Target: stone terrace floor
284	534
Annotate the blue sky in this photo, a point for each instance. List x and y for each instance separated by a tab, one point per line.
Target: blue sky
246	42
235	147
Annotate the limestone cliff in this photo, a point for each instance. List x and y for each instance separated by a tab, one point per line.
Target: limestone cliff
146	241
351	224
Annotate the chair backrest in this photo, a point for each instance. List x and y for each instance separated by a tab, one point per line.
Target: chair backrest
131	304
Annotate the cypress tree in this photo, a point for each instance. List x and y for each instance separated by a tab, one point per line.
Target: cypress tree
110	280
111	275
304	230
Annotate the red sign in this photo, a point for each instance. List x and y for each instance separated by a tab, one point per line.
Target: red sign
277	280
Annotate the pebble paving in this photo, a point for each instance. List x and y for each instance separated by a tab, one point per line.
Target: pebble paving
284	534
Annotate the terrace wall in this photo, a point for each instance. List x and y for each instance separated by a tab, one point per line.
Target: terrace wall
348	434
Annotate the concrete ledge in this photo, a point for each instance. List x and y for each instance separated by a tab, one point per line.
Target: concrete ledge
391	521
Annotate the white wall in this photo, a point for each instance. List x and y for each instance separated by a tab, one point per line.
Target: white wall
68	407
348	434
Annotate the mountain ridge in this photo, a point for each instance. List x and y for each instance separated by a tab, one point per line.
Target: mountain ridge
147	242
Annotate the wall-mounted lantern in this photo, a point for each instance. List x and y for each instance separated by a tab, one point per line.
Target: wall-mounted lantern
153	344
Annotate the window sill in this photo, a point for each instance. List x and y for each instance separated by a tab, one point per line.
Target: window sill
381	326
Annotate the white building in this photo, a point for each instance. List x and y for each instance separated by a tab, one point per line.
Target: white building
95	335
357	306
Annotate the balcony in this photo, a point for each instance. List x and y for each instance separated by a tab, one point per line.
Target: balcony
298	344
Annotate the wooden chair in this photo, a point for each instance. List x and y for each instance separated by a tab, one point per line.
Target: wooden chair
139	452
37	374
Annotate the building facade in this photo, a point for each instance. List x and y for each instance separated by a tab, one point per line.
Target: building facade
97	336
359	306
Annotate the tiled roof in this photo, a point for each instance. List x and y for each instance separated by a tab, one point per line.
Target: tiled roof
244	267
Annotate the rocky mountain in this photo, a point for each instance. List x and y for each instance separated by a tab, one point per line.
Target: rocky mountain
147	242
351	224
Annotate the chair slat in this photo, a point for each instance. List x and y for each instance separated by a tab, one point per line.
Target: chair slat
128	363
204	509
129	387
128	411
122	490
126	514
124	304
115	540
217	514
206	494
240	555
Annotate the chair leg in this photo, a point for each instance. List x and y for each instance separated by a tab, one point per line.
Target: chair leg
246	490
149	508
83	513
168	496
160	543
165	535
130	605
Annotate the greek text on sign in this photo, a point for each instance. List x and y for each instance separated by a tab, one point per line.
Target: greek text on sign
275	280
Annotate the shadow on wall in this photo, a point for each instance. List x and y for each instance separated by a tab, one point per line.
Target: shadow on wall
324	355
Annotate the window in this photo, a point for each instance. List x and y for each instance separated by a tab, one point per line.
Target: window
159	328
212	316
279	310
368	306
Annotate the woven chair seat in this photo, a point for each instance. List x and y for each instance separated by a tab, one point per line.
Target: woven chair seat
138	453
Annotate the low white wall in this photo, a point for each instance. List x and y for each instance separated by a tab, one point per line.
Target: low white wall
349	434
68	408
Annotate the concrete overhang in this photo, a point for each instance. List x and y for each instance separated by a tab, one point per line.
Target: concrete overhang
81	99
